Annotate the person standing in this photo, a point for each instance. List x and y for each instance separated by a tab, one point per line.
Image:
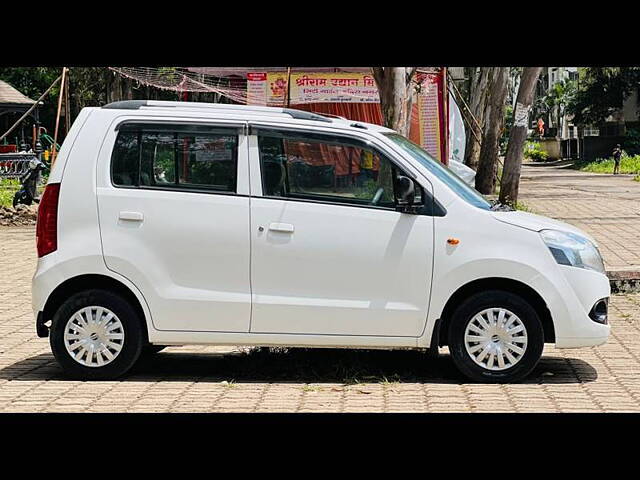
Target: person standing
617	155
540	127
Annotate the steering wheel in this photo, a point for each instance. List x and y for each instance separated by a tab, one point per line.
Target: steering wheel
377	196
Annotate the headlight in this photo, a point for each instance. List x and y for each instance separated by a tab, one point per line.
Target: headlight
574	250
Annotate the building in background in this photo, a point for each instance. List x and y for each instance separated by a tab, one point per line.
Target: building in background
560	137
564	139
598	141
13	104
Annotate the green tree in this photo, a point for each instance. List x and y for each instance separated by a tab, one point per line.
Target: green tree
32	82
601	91
88	87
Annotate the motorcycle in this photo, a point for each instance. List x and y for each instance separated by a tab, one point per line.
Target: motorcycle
30	180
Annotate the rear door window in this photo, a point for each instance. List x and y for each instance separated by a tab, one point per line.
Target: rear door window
179	157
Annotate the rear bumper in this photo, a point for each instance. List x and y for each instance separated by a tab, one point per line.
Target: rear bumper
41	329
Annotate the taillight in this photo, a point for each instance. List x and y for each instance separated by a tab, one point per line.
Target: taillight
47	226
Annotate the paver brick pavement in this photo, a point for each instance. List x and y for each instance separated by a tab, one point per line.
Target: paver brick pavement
605	206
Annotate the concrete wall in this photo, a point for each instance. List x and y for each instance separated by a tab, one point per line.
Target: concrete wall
551	146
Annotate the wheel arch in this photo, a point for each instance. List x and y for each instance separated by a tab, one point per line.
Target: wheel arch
497	283
79	283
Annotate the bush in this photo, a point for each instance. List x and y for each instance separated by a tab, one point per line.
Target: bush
628	164
533	152
8	188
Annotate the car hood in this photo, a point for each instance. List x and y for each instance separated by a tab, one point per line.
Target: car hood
537	223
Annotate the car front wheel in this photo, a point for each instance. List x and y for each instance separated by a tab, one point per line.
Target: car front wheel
495	336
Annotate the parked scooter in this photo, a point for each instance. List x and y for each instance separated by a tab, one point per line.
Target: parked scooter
30	180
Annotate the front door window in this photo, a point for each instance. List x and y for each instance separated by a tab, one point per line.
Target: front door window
327	169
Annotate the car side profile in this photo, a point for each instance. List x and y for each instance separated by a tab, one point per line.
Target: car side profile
172	223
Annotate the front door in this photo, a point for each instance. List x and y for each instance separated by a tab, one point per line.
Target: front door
330	254
172	222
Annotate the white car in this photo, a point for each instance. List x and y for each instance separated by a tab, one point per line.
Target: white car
171	223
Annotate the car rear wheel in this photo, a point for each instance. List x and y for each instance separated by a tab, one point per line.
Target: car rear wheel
495	336
96	335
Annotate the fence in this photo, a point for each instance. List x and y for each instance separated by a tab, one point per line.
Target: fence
13	165
569	148
592	148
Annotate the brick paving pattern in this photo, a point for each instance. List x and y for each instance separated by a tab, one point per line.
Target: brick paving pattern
605	206
215	379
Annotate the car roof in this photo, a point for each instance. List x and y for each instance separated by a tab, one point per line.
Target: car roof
248	112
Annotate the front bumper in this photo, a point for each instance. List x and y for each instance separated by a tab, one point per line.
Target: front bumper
576	327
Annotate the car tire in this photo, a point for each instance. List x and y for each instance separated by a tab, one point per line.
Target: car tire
96	335
508	329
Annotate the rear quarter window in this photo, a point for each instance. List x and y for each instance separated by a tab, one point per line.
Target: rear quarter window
124	159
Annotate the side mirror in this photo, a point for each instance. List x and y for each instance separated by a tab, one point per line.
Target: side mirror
406	191
406	195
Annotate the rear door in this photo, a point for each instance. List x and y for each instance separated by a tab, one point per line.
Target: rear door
174	219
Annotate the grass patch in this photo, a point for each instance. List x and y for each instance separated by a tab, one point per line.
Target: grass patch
8	188
627	165
311	388
523	207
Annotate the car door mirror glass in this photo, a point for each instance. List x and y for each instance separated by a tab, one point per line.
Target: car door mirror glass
406	190
408	194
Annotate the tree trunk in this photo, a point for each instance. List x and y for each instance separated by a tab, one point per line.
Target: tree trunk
114	91
494	119
127	89
396	96
477	104
513	160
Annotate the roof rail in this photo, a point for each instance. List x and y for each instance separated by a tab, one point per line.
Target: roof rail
330	115
126	104
136	104
302	115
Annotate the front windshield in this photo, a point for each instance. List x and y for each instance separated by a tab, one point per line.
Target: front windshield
444	174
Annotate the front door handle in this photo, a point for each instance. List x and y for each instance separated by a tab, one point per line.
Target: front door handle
281	227
131	216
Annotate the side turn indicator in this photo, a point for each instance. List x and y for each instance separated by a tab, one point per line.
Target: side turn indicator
453	241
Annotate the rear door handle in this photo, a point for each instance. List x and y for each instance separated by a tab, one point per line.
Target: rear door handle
131	216
281	227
